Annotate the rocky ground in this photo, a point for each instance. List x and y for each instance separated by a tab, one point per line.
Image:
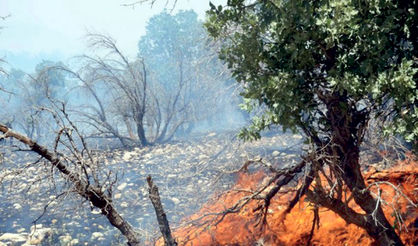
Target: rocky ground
187	173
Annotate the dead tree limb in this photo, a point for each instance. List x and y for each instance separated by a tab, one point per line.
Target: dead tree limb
159	211
94	194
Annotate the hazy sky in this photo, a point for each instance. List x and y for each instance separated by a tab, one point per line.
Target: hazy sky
56	28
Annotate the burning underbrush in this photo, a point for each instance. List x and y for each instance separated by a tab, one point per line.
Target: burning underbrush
210	226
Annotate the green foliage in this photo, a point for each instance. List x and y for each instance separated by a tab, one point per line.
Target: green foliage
184	73
286	53
171	41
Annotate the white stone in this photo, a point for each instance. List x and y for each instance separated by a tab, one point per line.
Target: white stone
147	156
65	238
175	200
202	157
275	153
17	206
38	235
122	186
13	237
96	235
127	156
74	242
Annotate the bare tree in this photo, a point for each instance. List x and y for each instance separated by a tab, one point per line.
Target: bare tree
129	101
125	85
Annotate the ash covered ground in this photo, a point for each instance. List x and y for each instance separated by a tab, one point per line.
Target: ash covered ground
187	172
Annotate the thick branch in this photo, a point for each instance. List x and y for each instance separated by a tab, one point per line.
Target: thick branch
159	211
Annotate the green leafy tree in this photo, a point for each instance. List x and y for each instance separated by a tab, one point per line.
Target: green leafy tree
185	74
325	68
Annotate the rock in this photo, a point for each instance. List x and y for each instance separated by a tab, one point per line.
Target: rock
127	156
38	234
17	206
97	236
122	186
117	196
21	230
202	157
175	200
65	239
275	153
124	205
74	242
289	156
13	237
148	156
23	186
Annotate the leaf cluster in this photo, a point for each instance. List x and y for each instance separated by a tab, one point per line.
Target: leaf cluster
288	53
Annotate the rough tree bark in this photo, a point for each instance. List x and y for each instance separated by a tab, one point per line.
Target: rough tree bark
93	194
347	124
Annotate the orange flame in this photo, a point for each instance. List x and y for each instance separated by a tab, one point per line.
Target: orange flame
294	229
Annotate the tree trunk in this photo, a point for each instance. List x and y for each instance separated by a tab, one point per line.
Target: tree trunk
140	131
383	233
141	134
346	126
366	222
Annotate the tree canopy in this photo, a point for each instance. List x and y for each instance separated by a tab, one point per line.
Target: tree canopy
289	53
189	80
